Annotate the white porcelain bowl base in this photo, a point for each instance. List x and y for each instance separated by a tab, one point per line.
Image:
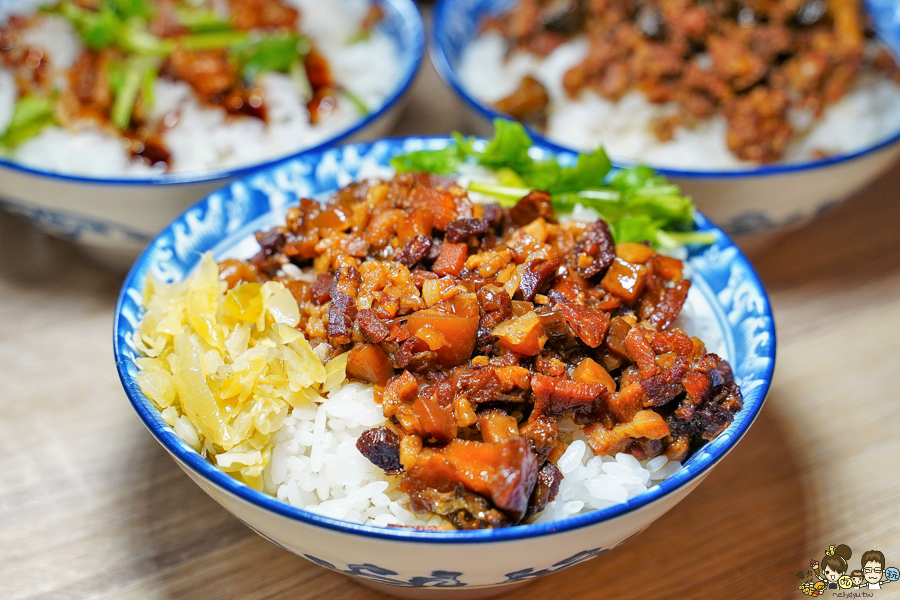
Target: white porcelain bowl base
758	203
441	593
425	569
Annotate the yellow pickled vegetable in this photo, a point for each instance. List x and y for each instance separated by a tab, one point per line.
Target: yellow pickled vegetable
227	366
245	302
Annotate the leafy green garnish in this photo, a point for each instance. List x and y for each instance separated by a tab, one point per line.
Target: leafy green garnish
98	29
128	9
120	23
638	204
214	40
271	53
31	114
200	20
136	74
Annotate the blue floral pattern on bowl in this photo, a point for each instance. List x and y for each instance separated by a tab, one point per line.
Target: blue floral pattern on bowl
224	224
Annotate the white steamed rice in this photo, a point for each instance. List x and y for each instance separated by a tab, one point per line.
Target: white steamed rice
869	113
315	466
201	138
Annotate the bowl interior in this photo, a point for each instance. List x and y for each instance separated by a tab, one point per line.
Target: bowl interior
728	306
402	22
457	22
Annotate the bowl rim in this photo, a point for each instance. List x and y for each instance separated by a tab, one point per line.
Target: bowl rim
411	18
441	61
186	456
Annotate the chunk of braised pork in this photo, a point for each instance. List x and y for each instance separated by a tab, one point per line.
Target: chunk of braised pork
451	259
497	426
506	472
534	205
645	424
663	387
711	416
479	384
448	328
262	14
461	230
587	323
382	447
557	396
462	508
595	253
369	363
667	310
415	250
545	490
495	306
538	276
373	326
541	434
528	103
343	308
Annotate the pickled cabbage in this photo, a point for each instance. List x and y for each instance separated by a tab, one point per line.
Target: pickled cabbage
226	367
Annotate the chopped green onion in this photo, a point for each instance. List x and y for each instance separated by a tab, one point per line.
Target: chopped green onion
675	239
133	37
31	114
301	80
128	9
599	195
148	88
355	101
132	80
360	36
217	40
509	178
97	29
273	52
504	194
201	20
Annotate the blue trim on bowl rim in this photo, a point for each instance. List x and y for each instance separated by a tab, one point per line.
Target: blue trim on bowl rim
438	54
149	414
412	20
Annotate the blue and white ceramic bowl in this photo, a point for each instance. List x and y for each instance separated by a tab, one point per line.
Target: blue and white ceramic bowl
739	201
114	219
727	307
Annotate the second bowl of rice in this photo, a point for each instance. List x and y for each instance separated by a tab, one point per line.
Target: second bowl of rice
89	176
850	143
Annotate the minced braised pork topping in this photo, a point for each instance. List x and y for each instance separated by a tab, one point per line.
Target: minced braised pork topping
753	61
483	329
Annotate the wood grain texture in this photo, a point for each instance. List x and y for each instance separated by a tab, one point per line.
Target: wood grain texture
92	507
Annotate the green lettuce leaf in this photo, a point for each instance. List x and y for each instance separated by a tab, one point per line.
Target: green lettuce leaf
639	204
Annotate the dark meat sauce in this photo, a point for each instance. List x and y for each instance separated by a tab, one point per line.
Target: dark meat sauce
482	327
753	62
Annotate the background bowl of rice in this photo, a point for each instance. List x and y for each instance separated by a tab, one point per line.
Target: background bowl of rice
728	307
113	217
738	199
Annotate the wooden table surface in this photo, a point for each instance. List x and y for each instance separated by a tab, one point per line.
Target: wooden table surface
92	507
